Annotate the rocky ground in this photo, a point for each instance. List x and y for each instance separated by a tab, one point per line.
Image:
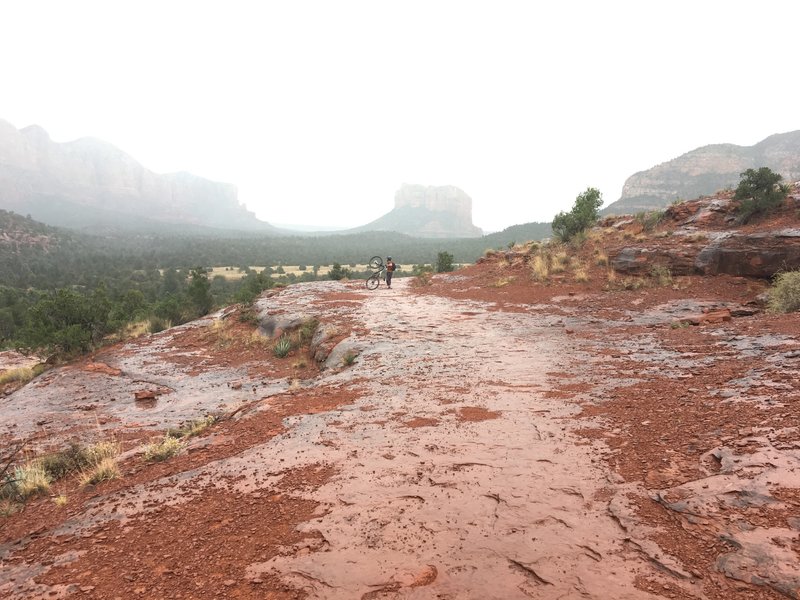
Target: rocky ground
500	433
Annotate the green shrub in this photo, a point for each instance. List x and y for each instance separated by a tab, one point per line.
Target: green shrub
282	347
784	296
650	220
583	215
760	192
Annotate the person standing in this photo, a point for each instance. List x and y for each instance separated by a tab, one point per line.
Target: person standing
390	267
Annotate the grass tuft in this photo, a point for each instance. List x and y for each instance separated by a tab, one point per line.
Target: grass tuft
162	450
19	375
105	470
192	428
282	347
30	479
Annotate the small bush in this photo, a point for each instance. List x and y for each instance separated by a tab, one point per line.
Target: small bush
166	448
650	220
105	470
784	296
60	500
759	192
282	347
581	275
601	260
349	358
72	459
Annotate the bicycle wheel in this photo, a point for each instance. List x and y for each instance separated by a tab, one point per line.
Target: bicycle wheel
376	262
373	281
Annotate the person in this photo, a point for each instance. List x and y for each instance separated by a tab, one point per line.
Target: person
390	267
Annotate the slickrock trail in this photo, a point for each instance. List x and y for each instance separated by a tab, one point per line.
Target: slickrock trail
485	443
453	474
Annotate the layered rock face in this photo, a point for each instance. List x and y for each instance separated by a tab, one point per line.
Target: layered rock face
705	171
429	211
705	244
77	183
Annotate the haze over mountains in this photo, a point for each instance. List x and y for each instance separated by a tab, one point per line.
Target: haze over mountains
706	170
91	185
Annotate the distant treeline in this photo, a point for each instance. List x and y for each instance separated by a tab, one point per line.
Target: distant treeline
67	291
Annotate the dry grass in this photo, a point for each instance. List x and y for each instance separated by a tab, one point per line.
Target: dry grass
18	375
60	500
162	450
105	470
502	282
601	259
9	507
30	479
192	428
540	268
581	275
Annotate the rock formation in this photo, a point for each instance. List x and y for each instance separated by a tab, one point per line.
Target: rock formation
89	182
705	171
704	243
428	211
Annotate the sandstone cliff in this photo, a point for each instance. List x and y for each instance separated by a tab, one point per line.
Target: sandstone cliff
89	182
428	211
705	171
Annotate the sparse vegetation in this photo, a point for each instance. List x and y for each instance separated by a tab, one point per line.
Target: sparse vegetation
650	220
502	282
661	275
424	278
784	295
192	428
60	500
163	449
349	358
759	192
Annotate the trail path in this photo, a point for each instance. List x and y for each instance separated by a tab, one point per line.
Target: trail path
456	474
429	503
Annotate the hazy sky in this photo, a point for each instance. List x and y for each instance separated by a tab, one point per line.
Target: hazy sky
319	110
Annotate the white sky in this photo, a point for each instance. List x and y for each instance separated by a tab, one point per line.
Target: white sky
319	110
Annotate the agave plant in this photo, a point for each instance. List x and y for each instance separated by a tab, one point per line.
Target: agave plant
282	347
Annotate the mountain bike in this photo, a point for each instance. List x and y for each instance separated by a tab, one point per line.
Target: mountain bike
374	280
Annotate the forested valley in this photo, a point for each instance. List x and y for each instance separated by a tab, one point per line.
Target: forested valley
66	292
